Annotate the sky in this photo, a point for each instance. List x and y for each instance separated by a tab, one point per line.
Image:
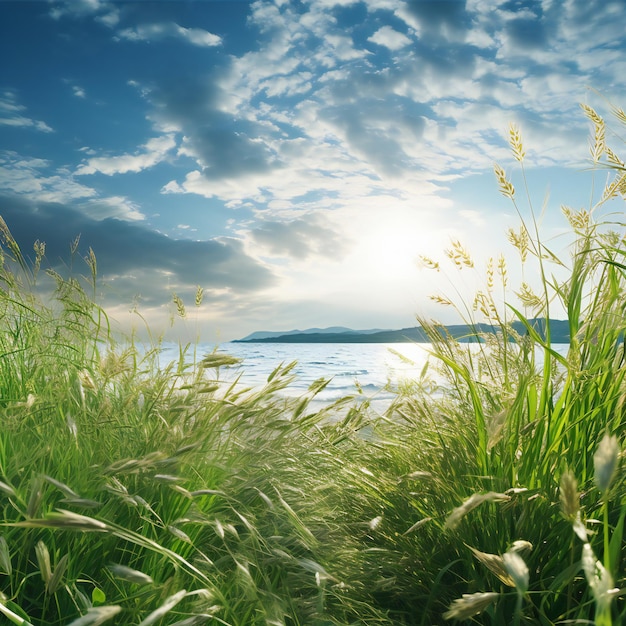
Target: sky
294	158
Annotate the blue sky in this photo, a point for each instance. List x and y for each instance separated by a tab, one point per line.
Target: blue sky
293	157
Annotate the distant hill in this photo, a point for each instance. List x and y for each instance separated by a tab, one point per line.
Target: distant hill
262	335
559	331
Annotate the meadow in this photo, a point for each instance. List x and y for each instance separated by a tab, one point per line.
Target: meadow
136	493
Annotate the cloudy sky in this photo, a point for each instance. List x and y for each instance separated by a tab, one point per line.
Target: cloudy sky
293	157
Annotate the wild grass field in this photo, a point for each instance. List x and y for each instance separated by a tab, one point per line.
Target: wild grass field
132	493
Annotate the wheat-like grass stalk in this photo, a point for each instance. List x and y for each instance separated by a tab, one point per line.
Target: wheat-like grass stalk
502	270
515	141
601	584
439	299
459	255
599	143
528	297
484	303
40	250
97	615
495	564
471	503
579	220
470	604
74	245
614	188
520	240
614	159
618	112
490	273
506	187
180	305
569	496
429	263
605	462
199	295
92	263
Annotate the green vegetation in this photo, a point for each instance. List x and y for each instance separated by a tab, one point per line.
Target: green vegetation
132	493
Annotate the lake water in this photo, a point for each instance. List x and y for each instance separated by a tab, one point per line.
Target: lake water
370	365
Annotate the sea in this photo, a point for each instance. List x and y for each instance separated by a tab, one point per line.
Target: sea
369	370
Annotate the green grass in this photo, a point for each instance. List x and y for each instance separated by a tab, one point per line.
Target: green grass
133	493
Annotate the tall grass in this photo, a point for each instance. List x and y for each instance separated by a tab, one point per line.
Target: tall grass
514	419
136	493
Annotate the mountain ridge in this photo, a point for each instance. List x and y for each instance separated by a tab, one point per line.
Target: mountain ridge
263	334
559	333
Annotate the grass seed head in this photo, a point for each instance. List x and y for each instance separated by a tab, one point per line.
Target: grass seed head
605	462
613	158
471	503
520	240
619	114
429	263
8	240
599	579
6	566
74	245
441	300
459	255
614	188
97	615
569	496
518	570
528	297
129	574
180	305
495	564
506	187
199	295
520	545
57	576
502	270
598	146
578	220
515	141
43	560
490	273
470	604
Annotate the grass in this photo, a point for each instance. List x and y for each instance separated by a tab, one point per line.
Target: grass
133	493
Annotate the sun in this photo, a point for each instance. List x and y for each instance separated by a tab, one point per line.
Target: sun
391	253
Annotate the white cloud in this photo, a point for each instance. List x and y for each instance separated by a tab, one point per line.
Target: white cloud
25	176
28	177
79	8
155	32
343	48
198	37
25	122
11	114
118	207
144	32
431	114
110	19
381	5
390	38
151	153
295	84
